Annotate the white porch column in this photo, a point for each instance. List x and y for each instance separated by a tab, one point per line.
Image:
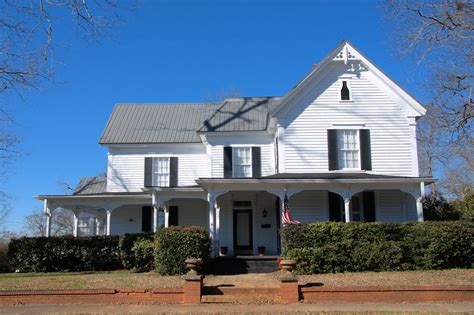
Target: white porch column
155	218
48	214
76	223
347	209
217	224
109	215
167	216
97	226
419	209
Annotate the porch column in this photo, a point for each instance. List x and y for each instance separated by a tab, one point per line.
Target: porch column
109	215
217	233
76	222
419	209
48	214
347	209
167	216
155	218
211	197
97	226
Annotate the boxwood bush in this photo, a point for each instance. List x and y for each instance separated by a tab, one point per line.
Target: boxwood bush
174	245
132	247
64	253
353	247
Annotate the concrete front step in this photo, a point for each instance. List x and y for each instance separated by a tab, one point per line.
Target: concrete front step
216	294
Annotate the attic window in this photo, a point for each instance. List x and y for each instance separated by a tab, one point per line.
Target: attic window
345	93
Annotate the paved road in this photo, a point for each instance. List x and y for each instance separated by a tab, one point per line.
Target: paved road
236	309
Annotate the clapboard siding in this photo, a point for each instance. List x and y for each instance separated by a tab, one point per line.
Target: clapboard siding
388	206
310	206
191	212
126	167
305	125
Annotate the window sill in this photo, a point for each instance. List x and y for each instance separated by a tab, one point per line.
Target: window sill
345	101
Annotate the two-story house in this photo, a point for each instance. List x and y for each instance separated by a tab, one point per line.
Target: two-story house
340	145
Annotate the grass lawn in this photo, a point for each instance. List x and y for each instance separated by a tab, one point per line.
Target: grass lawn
126	279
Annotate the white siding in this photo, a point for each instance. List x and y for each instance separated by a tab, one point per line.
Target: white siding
126	219
191	212
388	206
127	166
310	206
305	125
217	161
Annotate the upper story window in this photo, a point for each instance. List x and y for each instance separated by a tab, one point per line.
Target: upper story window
345	92
348	147
241	162
161	172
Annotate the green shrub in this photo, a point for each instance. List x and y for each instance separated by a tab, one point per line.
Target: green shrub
126	245
64	253
354	247
174	245
143	251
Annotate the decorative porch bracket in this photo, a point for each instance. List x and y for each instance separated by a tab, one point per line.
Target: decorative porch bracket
418	192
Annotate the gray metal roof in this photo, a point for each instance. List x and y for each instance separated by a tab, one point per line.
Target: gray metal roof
179	123
91	186
241	114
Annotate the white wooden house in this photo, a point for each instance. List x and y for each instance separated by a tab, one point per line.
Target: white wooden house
341	145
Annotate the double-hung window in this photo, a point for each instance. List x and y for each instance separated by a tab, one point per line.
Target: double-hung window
161	172
241	162
348	147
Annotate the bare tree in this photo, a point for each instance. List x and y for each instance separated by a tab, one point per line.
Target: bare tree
439	35
28	31
62	223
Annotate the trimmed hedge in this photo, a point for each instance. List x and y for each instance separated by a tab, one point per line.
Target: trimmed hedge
64	253
175	244
354	247
131	246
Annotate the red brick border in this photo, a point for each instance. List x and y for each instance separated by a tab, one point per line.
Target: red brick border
409	294
106	296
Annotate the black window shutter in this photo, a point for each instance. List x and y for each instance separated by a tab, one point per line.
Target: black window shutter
173	172
369	206
332	149
365	153
148	172
146	219
334	207
227	162
256	162
173	216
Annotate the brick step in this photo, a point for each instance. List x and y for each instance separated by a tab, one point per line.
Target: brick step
241	265
240	295
222	290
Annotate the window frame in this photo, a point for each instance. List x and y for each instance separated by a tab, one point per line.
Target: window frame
340	151
234	160
156	173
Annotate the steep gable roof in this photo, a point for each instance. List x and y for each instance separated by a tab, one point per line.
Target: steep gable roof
345	52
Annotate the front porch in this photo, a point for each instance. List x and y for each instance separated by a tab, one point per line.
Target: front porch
243	216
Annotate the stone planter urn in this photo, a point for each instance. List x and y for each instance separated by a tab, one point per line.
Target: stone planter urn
193	264
288	265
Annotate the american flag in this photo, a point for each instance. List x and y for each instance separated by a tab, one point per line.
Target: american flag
286	219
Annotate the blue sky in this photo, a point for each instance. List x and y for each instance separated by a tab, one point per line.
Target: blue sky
177	51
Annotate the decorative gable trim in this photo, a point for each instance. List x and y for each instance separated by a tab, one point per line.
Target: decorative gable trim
345	52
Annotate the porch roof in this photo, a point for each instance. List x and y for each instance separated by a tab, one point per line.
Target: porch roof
314	178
